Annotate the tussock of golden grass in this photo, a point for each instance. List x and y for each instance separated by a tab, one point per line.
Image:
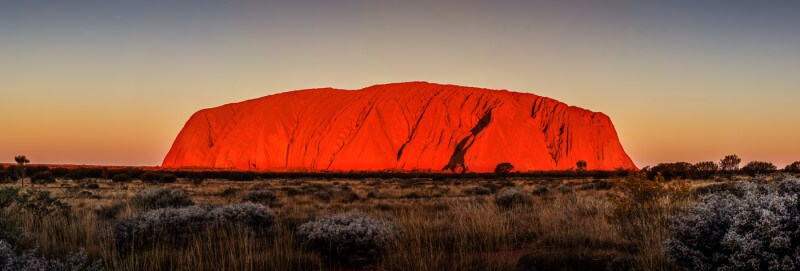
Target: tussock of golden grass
442	230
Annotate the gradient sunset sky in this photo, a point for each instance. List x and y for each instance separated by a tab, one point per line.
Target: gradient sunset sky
112	83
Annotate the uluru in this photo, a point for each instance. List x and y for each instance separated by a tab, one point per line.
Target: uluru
400	126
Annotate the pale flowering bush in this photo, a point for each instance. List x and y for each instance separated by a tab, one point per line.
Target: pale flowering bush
178	225
161	197
758	229
510	197
253	216
266	197
349	239
32	261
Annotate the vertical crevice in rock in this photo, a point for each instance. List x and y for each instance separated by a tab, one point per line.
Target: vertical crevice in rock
457	159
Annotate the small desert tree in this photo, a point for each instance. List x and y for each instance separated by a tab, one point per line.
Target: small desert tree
730	163
22	161
759	167
503	168
581	164
793	167
704	169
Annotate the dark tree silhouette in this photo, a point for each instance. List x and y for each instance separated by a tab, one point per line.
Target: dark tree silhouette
730	163
793	167
22	161
581	164
759	167
704	170
671	171
503	168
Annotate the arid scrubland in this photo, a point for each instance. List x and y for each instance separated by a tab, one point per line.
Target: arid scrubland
513	223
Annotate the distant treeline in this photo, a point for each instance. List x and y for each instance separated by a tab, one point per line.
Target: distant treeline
12	173
728	166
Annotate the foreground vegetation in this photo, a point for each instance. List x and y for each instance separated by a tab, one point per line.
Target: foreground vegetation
185	221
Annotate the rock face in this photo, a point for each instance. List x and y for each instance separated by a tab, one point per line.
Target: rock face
402	126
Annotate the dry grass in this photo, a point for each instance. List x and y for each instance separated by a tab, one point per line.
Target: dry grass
443	229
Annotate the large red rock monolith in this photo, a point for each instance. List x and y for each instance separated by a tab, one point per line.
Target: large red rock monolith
402	126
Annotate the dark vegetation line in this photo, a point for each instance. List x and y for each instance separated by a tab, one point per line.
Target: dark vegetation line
727	167
10	172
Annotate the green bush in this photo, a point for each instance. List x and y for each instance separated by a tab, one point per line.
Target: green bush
41	203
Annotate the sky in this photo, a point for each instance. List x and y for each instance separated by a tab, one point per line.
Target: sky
113	82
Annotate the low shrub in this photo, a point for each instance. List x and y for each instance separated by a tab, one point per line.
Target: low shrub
40	203
5	177
229	192
503	169
197	178
477	190
704	170
375	194
121	178
604	185
239	175
757	230
150	177
252	216
168	178
78	174
671	171
292	191
349	239
8	196
31	260
412	195
344	194
176	226
793	167
43	177
9	228
323	196
541	190
85	194
565	189
511	197
266	197
716	188
110	211
492	187
588	186
758	167
161	197
165	225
